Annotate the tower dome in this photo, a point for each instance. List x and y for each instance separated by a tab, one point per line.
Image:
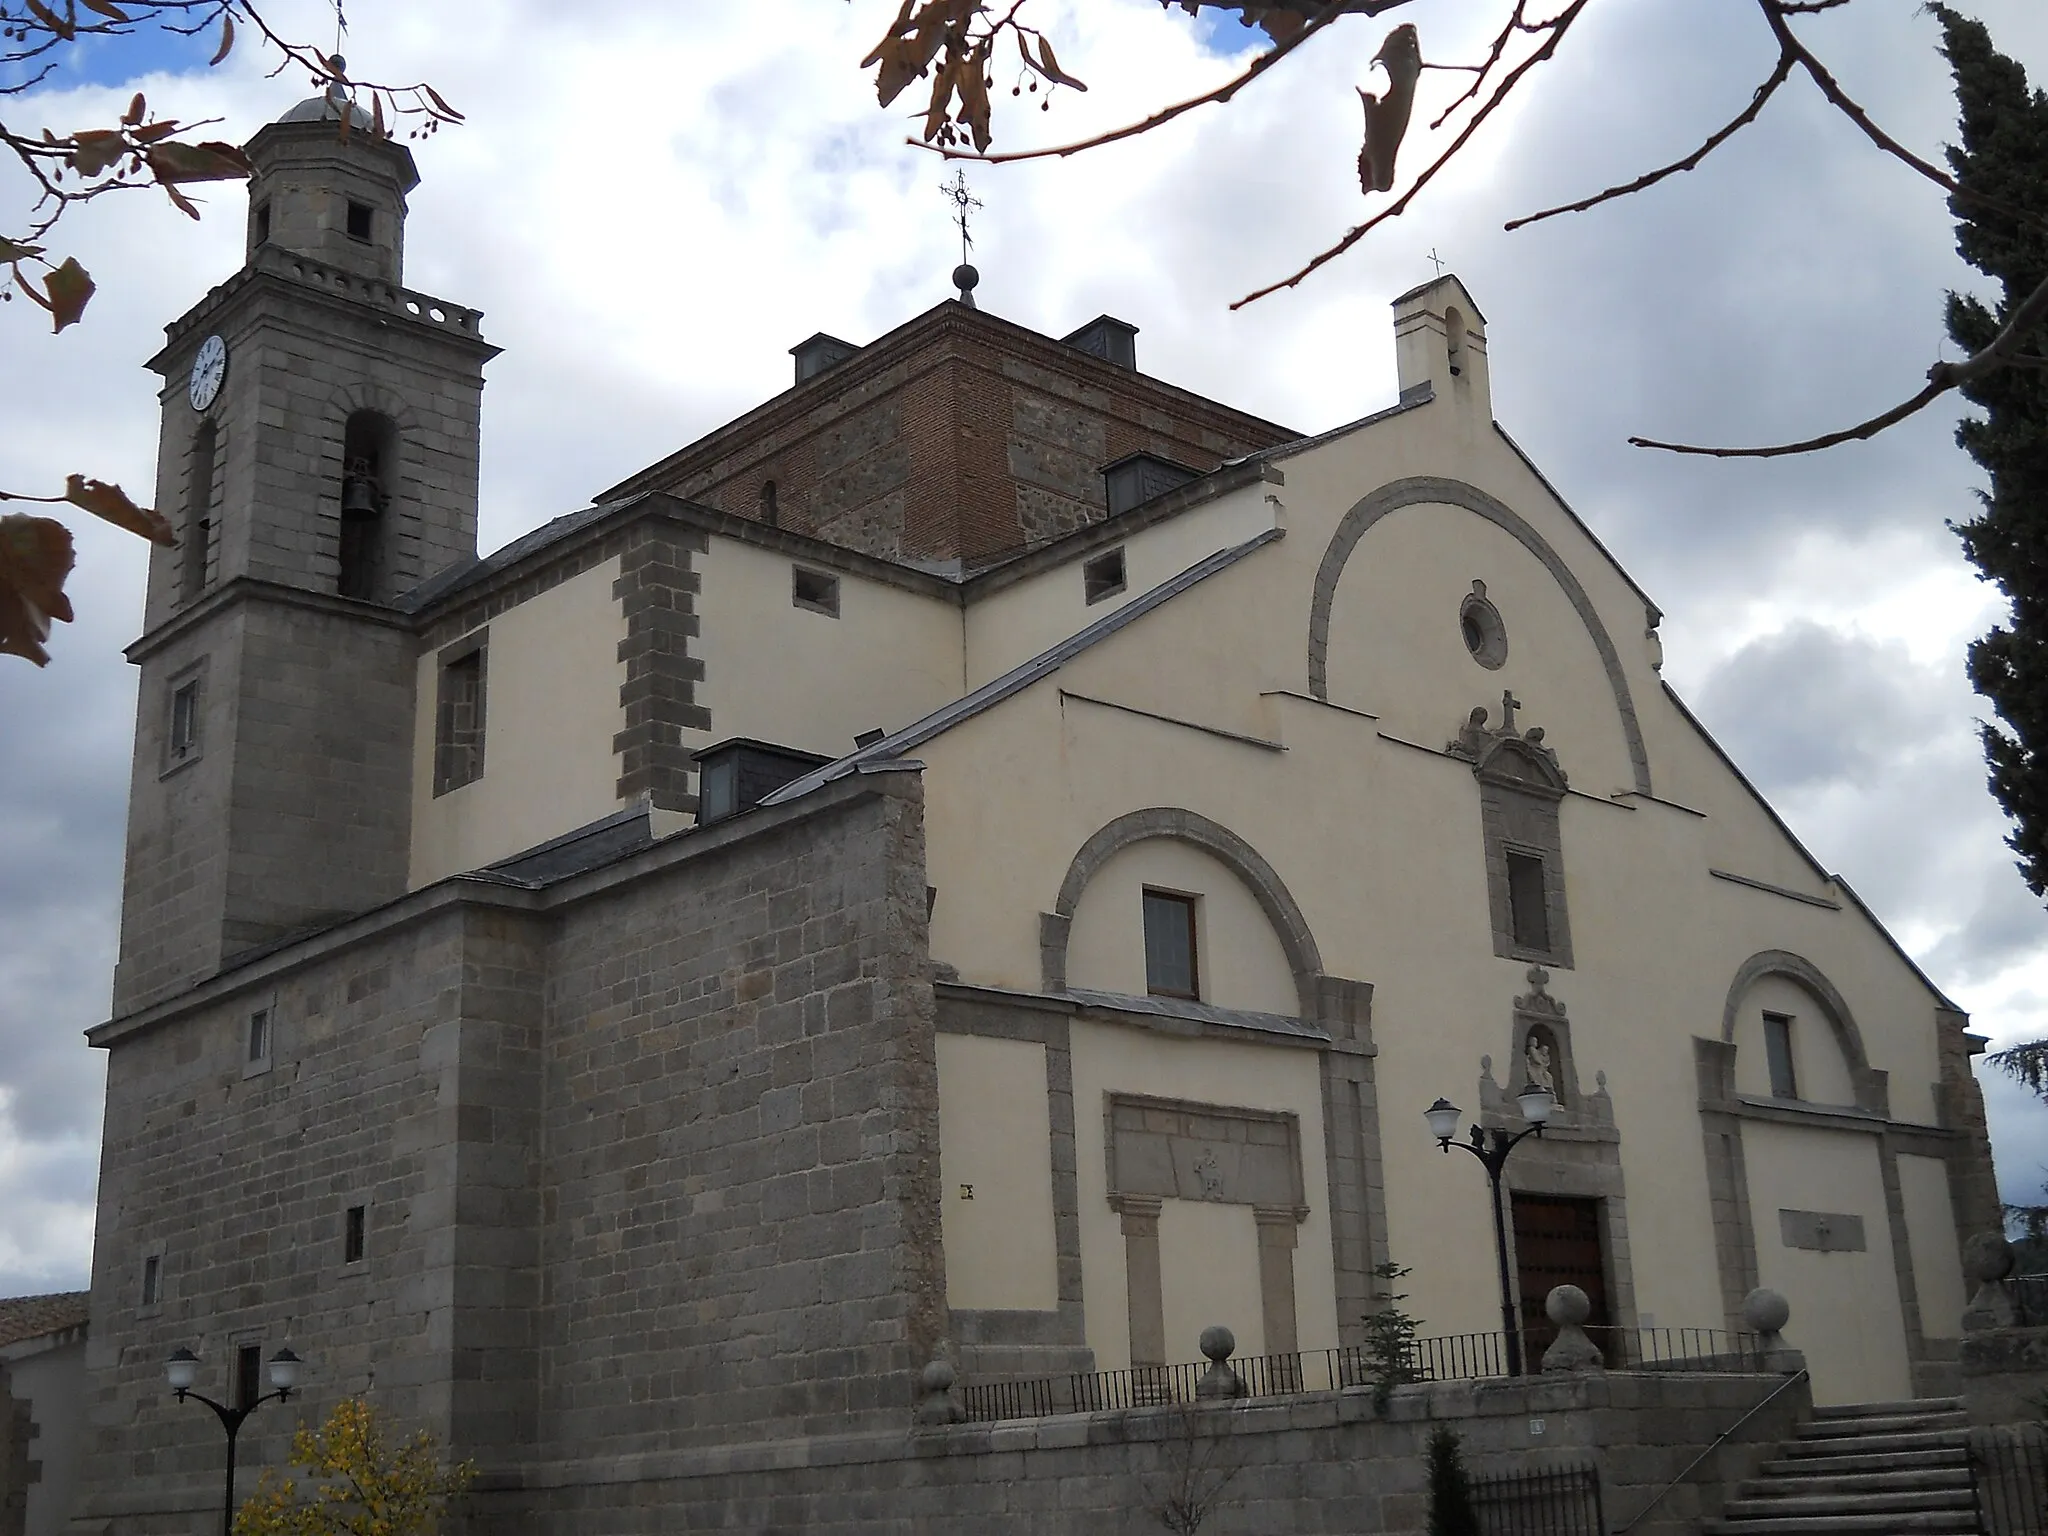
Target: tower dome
336	197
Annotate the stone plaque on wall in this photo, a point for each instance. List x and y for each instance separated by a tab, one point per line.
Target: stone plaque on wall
1182	1151
1824	1231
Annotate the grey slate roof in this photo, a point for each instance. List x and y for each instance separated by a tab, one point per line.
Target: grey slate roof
591	846
1018	678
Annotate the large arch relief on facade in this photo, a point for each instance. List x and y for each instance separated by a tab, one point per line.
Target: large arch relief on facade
1439	491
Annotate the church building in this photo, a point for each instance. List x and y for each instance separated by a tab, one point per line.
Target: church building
988	856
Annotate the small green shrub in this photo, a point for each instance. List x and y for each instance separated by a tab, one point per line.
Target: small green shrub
1389	1348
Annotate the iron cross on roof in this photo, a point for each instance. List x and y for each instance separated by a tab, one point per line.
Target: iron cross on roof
964	204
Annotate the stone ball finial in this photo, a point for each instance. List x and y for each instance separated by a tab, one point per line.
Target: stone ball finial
936	1405
1987	1258
1766	1311
1218	1343
1567	1306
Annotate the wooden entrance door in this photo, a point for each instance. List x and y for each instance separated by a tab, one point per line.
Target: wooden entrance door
1557	1242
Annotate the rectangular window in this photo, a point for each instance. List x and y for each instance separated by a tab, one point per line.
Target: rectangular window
1528	905
1778	1051
185	719
1170	966
259	1034
814	590
1103	576
459	721
358	220
352	1235
262	223
248	1374
152	1280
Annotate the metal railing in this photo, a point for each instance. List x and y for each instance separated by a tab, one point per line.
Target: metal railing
1454	1357
1543	1501
2029	1300
2009	1475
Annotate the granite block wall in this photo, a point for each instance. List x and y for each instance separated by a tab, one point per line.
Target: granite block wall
1326	1464
648	1158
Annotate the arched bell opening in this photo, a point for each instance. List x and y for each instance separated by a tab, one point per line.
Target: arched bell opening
199	518
369	458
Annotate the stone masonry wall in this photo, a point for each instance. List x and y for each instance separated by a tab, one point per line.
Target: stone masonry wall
1319	1465
649	1158
742	1199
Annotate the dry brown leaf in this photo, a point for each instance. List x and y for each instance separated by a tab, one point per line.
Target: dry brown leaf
103	499
1386	118
52	20
105	8
15	250
136	107
95	149
227	38
446	111
972	84
211	161
69	288
35	558
1049	65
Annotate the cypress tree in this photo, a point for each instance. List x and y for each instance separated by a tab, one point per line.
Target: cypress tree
1450	1490
2003	154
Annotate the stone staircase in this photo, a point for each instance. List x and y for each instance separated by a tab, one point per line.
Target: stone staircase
1886	1469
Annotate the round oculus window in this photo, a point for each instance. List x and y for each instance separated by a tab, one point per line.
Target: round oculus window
1479	623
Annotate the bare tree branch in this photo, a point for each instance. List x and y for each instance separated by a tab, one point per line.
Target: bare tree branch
2000	352
1742	120
1556	27
1221	93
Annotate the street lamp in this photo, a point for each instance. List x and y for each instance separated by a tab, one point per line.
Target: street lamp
182	1369
1443	1116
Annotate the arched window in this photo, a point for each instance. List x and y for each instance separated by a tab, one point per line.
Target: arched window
199	530
369	462
1454	338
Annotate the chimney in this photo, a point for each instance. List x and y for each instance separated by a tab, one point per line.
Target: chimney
1440	343
1112	340
813	357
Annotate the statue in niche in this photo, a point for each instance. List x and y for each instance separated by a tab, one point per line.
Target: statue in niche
1539	1057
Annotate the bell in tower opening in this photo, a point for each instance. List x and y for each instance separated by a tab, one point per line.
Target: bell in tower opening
368	458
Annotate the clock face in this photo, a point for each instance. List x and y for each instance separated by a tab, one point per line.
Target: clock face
209	372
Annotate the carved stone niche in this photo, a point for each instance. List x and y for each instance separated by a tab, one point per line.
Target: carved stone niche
1540	1051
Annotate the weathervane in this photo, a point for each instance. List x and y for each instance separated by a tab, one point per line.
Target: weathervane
964	203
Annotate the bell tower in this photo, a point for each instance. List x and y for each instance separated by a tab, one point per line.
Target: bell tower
318	458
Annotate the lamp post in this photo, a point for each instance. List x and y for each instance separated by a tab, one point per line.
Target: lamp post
182	1369
1492	1151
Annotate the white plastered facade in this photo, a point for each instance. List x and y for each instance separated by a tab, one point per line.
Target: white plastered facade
1302	698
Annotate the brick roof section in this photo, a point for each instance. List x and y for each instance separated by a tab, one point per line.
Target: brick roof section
31	1317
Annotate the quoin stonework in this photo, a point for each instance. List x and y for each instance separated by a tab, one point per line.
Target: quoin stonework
983	859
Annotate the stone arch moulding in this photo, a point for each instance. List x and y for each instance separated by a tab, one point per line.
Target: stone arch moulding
346	400
1872	1086
1290	926
1420	489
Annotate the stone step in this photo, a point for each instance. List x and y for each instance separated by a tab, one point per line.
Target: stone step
1912	1500
1925	1523
1876	1445
1880	1424
1900	1409
1828	1465
1816	1481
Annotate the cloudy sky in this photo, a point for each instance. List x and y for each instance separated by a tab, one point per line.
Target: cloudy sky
651	202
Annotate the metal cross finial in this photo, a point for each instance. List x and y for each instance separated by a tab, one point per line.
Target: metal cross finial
340	25
964	203
1438	260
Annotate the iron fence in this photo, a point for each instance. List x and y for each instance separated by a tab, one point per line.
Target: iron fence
2029	1300
1454	1357
1541	1501
2009	1473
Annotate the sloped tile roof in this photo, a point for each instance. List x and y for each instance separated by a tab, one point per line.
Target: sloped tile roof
30	1317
